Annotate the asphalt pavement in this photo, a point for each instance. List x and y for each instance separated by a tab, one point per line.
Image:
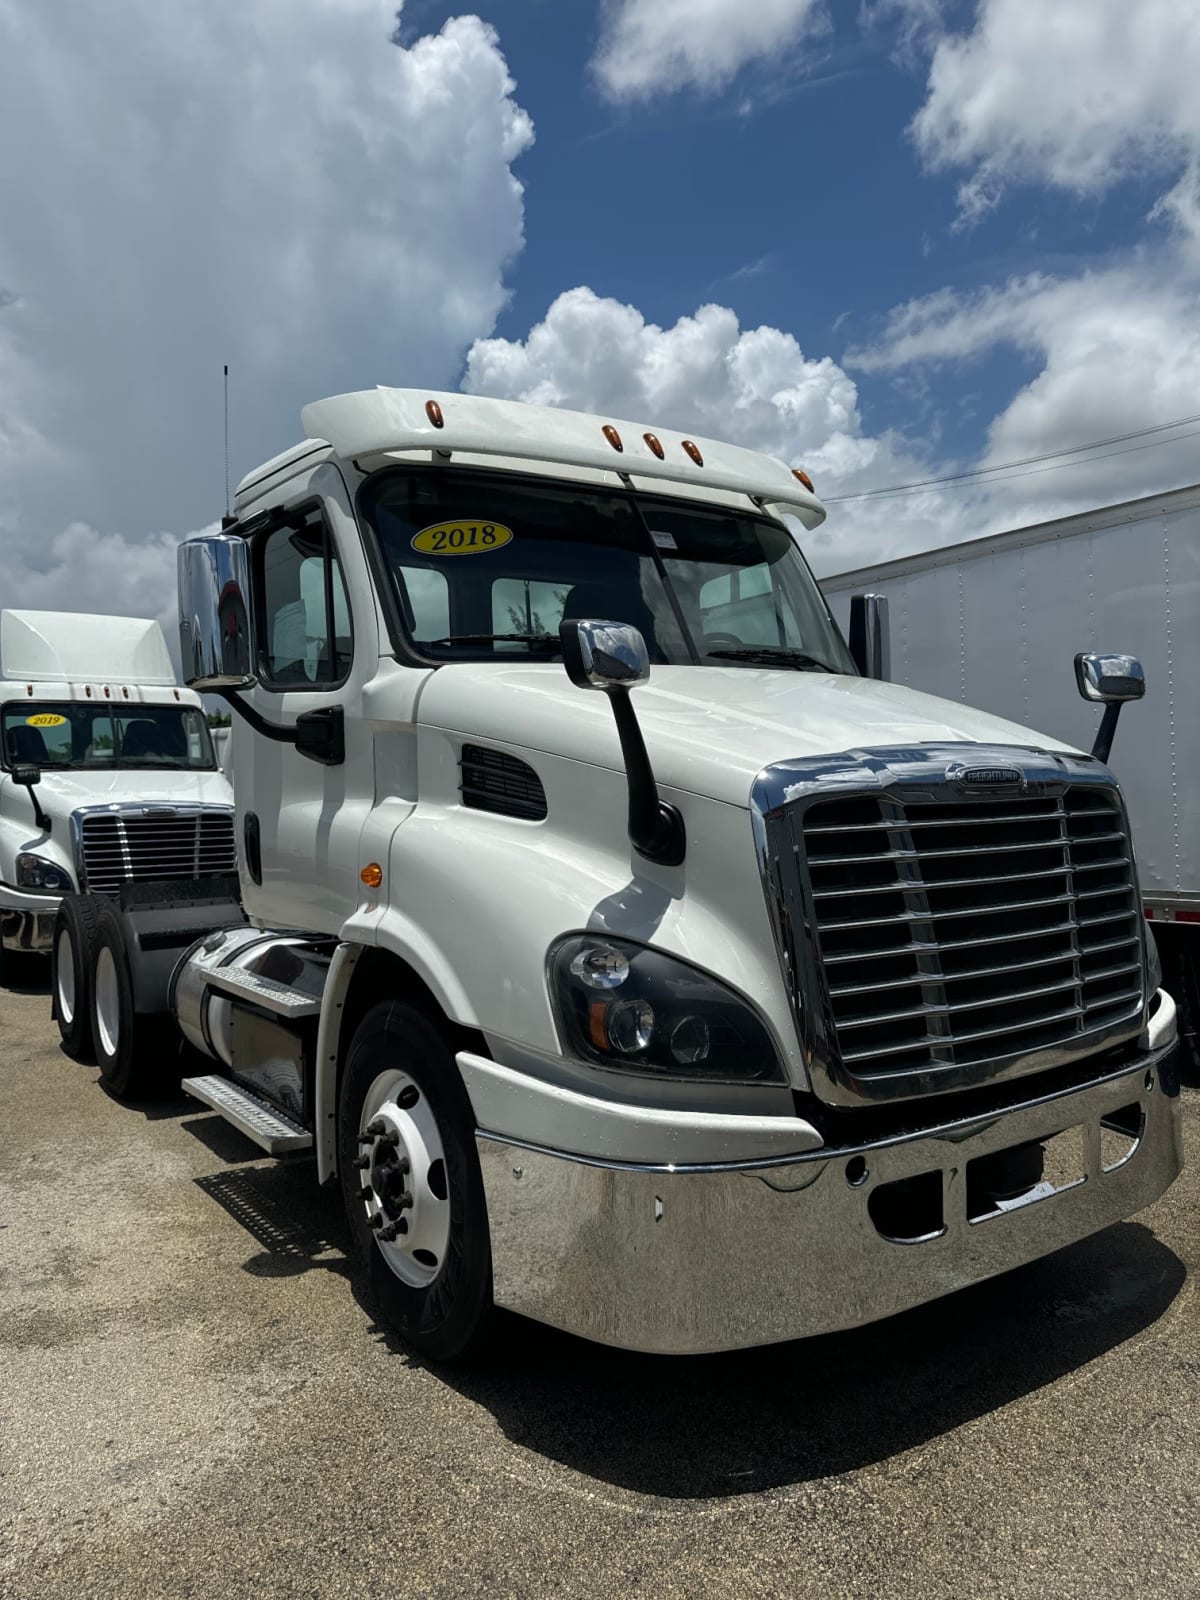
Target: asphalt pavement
196	1400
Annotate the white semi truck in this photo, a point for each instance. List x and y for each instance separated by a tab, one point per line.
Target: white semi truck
107	778
626	956
995	623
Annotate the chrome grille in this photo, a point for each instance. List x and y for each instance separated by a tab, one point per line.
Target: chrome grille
958	933
144	845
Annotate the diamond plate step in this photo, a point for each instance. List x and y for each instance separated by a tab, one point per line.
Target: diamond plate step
268	1128
263	992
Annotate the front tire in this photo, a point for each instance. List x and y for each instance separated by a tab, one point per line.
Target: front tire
411	1183
71	973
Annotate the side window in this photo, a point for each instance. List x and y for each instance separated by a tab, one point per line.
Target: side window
306	638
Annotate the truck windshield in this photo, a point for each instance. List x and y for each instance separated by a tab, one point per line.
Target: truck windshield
66	734
486	566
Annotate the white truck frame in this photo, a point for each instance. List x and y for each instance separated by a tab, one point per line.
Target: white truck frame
996	621
760	1001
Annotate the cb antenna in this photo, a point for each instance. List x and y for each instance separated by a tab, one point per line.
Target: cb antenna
226	438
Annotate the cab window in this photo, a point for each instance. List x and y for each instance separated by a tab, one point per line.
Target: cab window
305	617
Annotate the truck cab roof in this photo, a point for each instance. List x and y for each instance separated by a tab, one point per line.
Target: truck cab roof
75	650
390	424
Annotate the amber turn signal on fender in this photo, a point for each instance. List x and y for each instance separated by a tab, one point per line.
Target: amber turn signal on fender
372	875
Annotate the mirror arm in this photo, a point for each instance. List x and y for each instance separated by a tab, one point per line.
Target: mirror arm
39	816
259	723
1102	748
655	828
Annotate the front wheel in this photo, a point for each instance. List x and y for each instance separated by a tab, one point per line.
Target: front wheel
411	1183
71	973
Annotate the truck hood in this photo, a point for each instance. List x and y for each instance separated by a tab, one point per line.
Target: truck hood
63	792
709	730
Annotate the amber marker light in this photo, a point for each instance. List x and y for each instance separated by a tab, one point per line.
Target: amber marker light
434	412
693	450
613	437
598	1024
656	448
372	875
802	477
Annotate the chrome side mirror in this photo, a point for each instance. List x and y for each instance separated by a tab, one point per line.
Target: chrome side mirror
1108	681
869	641
612	657
214	612
604	655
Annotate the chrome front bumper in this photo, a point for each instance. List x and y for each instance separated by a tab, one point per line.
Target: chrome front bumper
660	1258
27	920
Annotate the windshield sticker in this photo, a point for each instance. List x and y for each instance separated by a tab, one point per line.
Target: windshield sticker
461	538
664	540
45	719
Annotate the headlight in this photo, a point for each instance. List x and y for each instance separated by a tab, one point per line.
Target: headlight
42	876
622	1005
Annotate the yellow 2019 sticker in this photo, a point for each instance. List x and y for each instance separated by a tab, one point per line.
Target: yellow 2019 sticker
461	538
45	719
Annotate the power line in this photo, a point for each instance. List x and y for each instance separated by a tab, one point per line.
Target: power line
1025	461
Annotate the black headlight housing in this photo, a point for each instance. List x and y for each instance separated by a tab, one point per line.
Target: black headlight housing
625	1006
39	876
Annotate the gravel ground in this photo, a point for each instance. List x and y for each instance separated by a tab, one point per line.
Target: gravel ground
195	1400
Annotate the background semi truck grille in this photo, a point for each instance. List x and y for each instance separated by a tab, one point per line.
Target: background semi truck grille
956	933
492	780
129	847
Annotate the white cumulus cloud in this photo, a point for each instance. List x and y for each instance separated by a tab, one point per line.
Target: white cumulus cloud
1117	350
272	183
1079	94
647	46
752	386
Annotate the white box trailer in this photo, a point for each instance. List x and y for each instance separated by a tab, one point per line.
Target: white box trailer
997	622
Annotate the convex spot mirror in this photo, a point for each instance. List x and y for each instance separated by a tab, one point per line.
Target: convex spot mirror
27	776
1109	680
214	612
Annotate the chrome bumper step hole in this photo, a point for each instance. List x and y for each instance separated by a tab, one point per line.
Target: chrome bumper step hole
1120	1134
910	1210
1036	1170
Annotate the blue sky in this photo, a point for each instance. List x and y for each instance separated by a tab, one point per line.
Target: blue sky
933	235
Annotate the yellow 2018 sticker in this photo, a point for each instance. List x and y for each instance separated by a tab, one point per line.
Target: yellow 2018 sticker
461	538
45	719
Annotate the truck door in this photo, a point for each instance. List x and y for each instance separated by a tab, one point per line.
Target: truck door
300	820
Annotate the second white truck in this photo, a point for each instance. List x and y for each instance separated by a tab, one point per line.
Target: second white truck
624	954
107	779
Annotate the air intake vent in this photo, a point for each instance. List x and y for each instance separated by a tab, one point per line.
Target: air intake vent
494	781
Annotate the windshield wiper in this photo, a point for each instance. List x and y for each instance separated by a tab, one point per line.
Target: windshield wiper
774	653
548	641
